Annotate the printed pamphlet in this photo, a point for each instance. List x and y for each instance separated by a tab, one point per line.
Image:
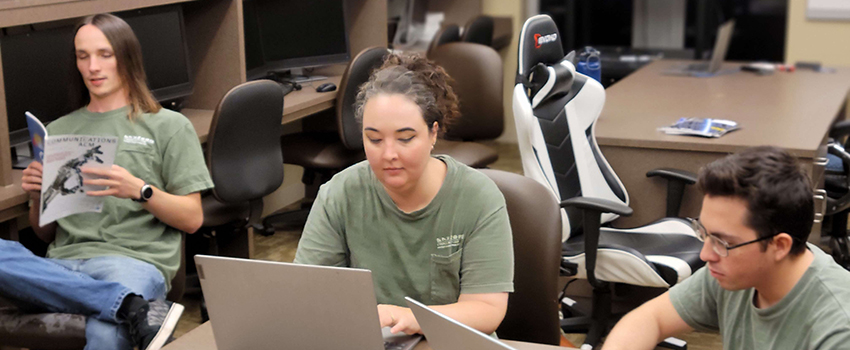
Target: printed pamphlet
63	157
705	127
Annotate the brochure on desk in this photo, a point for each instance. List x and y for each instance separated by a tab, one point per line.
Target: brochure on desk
703	127
63	157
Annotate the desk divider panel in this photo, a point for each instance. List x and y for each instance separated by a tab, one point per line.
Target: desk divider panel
5	151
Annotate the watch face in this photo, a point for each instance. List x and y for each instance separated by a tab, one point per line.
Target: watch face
147	192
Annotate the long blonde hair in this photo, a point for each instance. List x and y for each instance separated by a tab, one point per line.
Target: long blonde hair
128	55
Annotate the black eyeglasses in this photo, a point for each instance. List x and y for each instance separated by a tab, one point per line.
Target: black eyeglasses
719	246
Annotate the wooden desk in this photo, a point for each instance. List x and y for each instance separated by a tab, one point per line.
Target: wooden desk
296	105
201	338
789	110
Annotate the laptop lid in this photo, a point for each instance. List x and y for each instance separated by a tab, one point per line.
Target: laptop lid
445	333
264	305
724	36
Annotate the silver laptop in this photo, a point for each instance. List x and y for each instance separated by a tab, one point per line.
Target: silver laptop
264	305
445	333
724	36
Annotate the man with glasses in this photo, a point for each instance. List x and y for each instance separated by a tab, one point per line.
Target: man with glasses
763	286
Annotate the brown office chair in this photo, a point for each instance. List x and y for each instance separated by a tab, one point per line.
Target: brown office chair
479	30
536	224
449	33
477	71
58	331
323	154
244	159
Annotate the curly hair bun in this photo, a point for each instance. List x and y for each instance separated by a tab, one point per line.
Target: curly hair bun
419	79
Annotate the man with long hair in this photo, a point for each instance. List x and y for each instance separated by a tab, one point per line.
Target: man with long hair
115	266
763	286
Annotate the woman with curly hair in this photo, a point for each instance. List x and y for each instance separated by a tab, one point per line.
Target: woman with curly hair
427	226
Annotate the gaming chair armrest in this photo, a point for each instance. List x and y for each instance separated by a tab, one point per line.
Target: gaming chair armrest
836	205
840	129
676	181
592	209
597	204
671	174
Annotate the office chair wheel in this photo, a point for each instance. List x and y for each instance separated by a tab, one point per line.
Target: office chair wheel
264	230
568	310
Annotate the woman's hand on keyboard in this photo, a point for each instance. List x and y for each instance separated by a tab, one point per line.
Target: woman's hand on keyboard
400	319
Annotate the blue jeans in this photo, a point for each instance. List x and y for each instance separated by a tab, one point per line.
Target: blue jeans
93	287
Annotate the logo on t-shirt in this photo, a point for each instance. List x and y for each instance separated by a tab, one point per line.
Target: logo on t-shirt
138	140
449	241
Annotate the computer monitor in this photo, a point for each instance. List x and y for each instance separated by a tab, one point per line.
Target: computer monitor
38	65
162	35
282	35
36	72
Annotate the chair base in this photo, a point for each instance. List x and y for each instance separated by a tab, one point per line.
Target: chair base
286	221
597	324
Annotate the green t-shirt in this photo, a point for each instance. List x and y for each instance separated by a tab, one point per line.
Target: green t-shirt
163	150
815	314
459	243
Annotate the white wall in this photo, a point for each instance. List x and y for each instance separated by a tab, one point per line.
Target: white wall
816	40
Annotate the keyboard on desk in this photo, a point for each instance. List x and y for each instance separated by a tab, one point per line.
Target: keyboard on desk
390	345
399	341
287	88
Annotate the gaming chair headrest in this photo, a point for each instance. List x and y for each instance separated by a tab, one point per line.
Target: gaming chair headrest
539	42
543	69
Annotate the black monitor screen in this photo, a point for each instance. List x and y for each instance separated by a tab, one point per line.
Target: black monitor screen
253	44
161	35
37	65
294	33
37	72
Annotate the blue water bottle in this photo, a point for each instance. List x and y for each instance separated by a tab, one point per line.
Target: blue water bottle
589	63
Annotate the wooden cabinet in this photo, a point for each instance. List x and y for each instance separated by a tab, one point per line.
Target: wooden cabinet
214	34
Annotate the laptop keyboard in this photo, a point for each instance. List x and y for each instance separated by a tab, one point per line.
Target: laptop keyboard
698	67
389	345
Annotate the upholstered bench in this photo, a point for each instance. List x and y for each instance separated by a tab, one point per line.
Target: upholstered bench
56	331
40	331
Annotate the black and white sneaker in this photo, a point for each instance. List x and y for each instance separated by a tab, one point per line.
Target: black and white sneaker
152	324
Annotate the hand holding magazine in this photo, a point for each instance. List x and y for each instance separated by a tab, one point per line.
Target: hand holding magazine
63	157
705	127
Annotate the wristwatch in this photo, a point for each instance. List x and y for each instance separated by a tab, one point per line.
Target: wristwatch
145	193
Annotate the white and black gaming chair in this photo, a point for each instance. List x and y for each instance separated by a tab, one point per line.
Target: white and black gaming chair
555	110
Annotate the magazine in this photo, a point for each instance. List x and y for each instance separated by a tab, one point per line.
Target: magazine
705	127
63	157
37	134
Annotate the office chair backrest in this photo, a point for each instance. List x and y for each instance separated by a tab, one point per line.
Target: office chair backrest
449	33
532	314
555	110
477	73
243	147
357	73
479	30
